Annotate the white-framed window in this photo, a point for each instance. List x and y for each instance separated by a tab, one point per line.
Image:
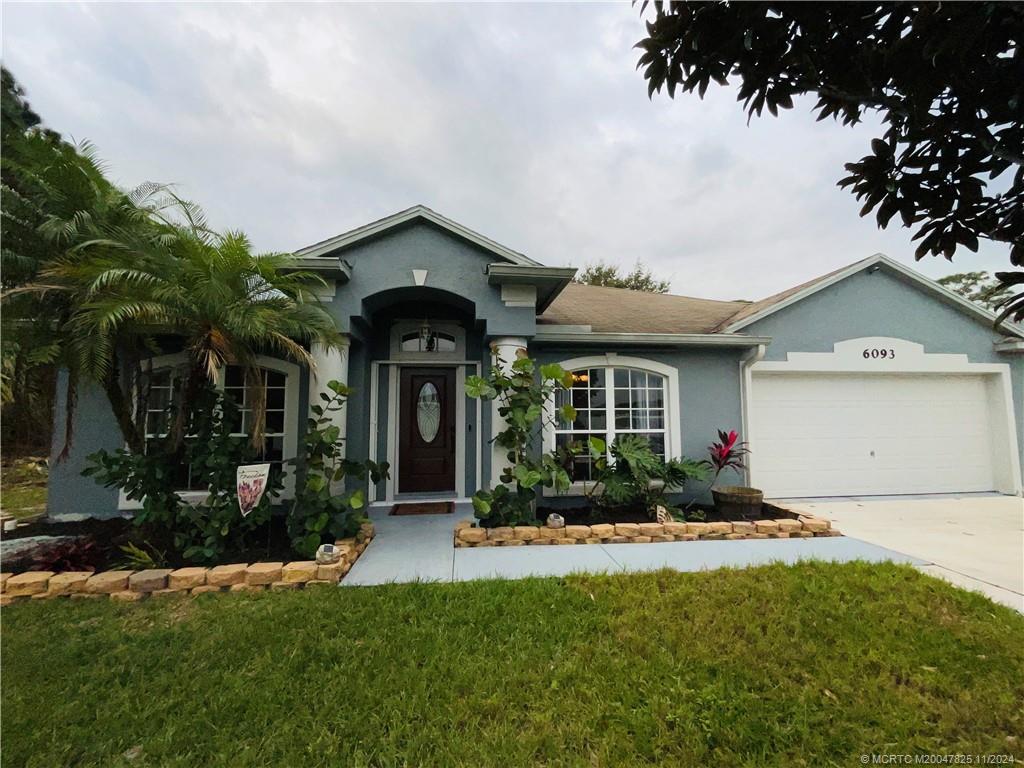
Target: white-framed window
281	388
615	395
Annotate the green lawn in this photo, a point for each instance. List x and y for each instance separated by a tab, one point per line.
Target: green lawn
811	665
23	487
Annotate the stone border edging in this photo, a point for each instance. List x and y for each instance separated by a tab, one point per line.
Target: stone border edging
803	526
130	586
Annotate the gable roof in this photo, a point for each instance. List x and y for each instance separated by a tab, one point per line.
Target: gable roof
621	310
416	213
751	313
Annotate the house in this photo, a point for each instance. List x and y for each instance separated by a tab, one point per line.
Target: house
869	380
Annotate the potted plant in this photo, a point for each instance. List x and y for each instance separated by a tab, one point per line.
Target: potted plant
733	501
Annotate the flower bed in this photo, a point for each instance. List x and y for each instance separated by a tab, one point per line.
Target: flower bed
138	585
791	527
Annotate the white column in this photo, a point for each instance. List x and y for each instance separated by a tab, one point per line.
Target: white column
504	351
330	365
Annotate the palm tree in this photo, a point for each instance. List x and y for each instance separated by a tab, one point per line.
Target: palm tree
154	275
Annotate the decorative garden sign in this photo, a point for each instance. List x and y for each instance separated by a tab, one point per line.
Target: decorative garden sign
252	482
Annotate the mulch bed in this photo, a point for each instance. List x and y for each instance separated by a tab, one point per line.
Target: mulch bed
588	515
271	545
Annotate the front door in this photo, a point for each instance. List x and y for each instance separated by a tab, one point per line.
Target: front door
426	430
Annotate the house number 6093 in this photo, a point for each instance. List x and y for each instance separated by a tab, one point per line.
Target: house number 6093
879	353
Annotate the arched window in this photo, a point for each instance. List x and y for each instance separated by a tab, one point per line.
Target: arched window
615	396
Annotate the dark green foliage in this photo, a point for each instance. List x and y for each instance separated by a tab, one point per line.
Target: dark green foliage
320	515
78	554
40	176
199	532
636	476
610	275
979	287
946	80
522	391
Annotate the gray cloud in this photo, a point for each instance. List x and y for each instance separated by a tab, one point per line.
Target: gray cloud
528	123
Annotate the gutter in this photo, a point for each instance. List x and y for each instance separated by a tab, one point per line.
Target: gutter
747	363
650	339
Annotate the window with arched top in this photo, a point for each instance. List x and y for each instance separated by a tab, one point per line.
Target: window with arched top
614	396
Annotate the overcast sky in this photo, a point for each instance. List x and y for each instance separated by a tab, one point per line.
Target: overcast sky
527	123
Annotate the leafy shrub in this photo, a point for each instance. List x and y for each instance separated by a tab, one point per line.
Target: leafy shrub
201	532
636	476
319	514
141	557
522	394
78	554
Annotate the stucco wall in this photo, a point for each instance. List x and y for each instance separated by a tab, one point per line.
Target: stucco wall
70	495
882	303
453	266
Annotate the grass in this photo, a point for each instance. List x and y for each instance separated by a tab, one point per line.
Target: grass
808	665
23	487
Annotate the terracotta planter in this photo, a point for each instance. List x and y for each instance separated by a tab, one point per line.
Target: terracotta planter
738	502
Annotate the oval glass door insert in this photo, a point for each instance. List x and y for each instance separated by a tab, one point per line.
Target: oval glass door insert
428	412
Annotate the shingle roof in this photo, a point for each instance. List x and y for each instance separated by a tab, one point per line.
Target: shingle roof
610	310
754	307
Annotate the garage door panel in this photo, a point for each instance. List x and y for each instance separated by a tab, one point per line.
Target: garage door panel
850	434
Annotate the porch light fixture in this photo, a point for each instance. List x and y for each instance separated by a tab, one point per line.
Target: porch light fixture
428	339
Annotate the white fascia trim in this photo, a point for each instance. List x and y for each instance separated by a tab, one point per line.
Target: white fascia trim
1009	345
416	212
291	420
650	339
879	258
673	420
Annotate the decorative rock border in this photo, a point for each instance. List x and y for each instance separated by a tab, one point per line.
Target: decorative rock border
802	526
130	586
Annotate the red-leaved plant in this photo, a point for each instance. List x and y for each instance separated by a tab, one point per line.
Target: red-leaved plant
727	453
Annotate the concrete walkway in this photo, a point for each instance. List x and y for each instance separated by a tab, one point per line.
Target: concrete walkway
419	548
975	541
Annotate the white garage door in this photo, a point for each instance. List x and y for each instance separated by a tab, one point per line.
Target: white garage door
852	435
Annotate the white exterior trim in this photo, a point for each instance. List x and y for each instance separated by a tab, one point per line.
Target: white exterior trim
879	258
581	334
746	390
673	420
515	295
325	292
505	350
291	420
910	358
392	425
372	229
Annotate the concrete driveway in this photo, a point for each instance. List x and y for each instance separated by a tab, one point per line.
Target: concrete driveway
975	541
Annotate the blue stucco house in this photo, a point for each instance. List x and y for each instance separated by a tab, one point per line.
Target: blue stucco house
870	380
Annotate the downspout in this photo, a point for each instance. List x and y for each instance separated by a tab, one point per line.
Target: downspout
755	355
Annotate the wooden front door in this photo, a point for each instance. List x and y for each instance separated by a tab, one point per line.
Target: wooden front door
426	430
